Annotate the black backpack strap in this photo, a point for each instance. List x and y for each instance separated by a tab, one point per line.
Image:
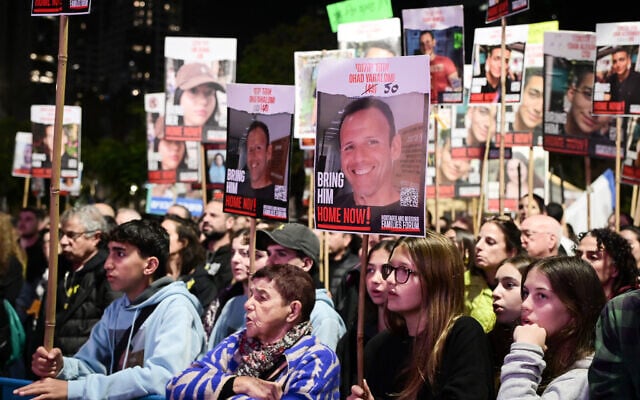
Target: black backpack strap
131	331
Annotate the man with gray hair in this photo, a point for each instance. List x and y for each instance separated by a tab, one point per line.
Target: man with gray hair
83	291
540	236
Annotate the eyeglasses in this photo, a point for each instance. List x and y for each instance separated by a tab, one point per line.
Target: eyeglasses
592	255
401	273
73	235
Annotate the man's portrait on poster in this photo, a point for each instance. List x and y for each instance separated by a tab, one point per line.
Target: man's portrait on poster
575	103
258	151
257	160
371	159
369	146
623	79
488	71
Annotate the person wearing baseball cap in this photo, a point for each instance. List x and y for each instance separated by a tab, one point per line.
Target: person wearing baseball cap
296	244
196	94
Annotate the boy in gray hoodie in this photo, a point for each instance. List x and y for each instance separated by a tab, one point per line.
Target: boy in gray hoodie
144	338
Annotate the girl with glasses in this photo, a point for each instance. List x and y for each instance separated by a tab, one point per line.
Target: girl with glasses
433	350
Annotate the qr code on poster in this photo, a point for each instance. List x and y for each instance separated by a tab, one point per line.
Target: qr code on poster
409	197
280	192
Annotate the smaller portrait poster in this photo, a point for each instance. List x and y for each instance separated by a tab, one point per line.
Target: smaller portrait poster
306	75
457	177
72	186
438	32
617	70
22	155
197	71
258	150
371	39
60	7
161	196
516	177
569	125
42	128
503	8
168	161
631	161
487	62
371	145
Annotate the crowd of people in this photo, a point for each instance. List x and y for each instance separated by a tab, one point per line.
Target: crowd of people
186	307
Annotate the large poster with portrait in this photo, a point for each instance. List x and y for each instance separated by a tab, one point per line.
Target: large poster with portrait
569	125
617	88
197	71
372	39
42	128
258	150
168	161
438	32
487	61
371	145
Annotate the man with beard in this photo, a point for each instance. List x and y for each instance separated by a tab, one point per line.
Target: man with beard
216	226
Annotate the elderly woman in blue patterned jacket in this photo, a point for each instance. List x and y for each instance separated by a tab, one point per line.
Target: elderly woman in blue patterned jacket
275	356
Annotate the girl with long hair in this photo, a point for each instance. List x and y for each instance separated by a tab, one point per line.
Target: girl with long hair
554	345
433	350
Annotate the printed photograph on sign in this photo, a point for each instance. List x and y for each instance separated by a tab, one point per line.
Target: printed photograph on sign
22	155
371	39
525	118
42	129
617	70
169	161
60	7
216	170
161	196
306	74
570	127
197	71
497	9
457	177
438	33
487	60
371	145
516	177
258	150
72	186
631	161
